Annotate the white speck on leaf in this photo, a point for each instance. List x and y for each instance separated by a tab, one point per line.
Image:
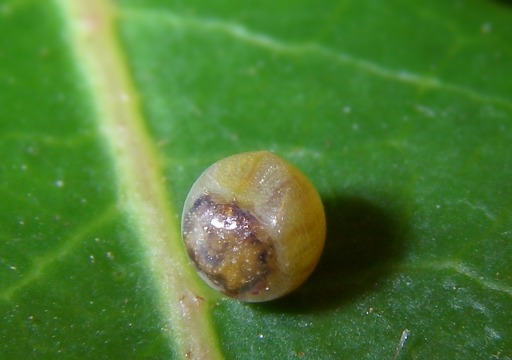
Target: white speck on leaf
493	334
401	343
429	112
486	28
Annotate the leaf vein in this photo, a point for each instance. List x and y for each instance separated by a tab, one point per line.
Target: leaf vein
471	274
265	41
42	263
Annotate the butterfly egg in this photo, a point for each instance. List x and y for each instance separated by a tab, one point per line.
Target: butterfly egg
254	226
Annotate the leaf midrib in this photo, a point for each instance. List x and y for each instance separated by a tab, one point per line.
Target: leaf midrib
141	191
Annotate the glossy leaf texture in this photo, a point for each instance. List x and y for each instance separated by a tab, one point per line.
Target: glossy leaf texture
400	113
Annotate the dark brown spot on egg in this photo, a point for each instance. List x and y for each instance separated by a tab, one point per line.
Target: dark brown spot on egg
229	245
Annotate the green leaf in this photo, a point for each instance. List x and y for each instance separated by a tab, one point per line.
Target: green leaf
400	114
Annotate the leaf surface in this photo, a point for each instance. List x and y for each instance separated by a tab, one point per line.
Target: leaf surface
399	113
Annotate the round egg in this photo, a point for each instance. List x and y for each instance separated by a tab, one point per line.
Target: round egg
254	226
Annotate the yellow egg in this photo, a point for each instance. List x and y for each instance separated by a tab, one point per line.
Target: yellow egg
254	226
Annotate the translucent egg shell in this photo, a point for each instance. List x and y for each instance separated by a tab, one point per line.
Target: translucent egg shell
254	226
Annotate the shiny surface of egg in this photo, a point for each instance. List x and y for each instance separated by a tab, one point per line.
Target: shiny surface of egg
254	226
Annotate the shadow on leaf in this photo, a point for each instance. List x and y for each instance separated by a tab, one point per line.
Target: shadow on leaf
362	241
